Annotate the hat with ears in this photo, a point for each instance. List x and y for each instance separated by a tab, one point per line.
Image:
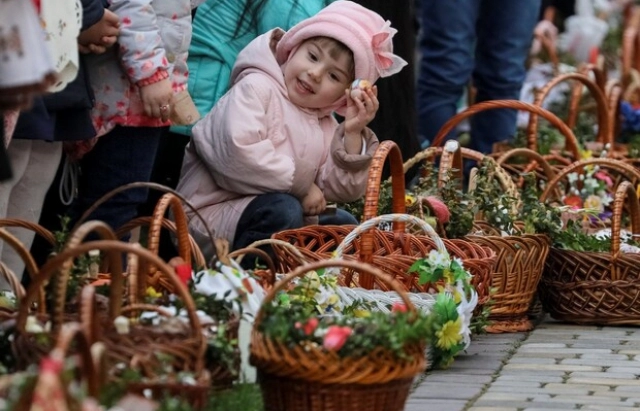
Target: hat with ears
363	31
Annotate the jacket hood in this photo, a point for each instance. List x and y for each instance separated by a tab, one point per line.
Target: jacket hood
259	57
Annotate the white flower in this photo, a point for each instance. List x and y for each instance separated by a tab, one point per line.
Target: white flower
572	177
122	324
32	325
439	259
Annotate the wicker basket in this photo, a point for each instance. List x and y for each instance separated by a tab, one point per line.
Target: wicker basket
48	385
138	347
391	251
14	283
596	287
518	267
296	379
188	250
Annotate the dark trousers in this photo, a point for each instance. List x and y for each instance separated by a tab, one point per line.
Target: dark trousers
270	213
125	155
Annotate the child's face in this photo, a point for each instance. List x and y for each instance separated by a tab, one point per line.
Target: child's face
314	79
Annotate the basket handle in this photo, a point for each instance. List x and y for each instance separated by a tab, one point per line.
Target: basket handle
241	252
153	186
630	172
61	280
70	333
29	264
36	228
625	193
572	142
604	127
113	251
629	38
196	253
614	92
182	229
365	280
335	263
386	149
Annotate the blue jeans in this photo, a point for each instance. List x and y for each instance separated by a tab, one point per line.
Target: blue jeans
270	213
124	155
484	40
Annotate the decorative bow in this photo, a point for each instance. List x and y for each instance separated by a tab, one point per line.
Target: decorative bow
387	63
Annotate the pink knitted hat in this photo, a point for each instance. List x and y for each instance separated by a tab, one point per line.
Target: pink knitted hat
363	31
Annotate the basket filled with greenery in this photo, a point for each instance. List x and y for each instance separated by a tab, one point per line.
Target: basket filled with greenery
312	357
591	275
168	357
493	213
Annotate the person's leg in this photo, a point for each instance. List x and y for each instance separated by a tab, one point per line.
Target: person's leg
446	61
341	217
123	156
266	215
166	171
18	152
505	32
27	197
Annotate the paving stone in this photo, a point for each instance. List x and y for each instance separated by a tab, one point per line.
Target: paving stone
447	391
456	378
524	405
531	360
551	367
610	373
494	409
440	405
603	381
527	377
513	396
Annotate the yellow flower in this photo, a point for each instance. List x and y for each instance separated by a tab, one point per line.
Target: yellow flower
409	200
152	293
449	335
457	297
360	313
447	274
585	154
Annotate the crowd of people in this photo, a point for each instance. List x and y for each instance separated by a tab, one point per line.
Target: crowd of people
244	106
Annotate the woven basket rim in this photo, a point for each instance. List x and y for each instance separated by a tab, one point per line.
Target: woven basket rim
412	366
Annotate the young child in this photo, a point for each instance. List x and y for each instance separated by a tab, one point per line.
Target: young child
270	152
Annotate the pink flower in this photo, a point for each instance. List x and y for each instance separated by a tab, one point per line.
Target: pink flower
335	337
601	175
398	307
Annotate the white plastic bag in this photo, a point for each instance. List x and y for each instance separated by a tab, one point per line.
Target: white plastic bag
583	32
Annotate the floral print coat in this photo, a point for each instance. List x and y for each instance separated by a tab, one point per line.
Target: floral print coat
154	39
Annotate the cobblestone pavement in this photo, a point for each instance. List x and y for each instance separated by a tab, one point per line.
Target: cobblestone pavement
552	368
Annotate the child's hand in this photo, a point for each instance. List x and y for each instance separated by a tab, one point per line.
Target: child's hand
156	98
97	38
314	203
360	112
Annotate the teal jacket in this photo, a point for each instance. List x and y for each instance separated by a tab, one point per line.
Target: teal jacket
214	45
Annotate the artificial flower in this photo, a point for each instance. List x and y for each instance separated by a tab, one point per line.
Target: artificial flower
361	313
409	200
601	175
152	293
398	307
449	335
594	202
336	337
309	327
